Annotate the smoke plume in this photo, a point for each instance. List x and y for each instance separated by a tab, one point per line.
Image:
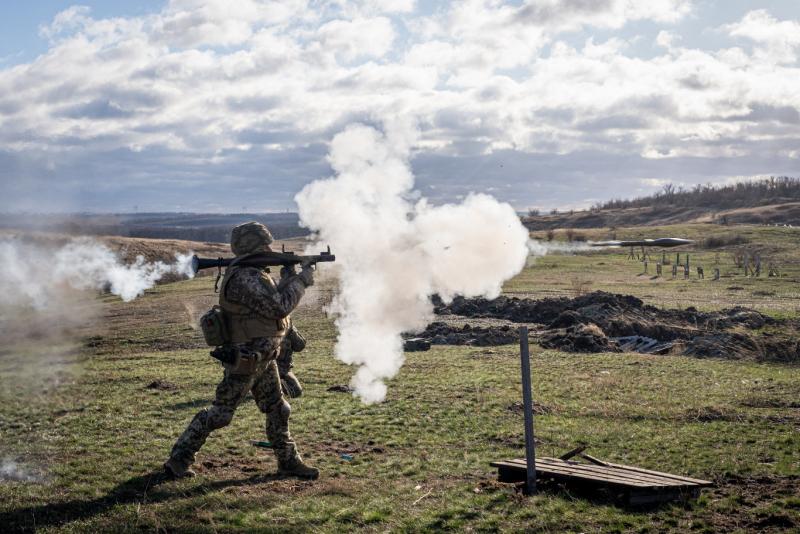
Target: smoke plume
45	308
11	470
35	274
392	253
538	247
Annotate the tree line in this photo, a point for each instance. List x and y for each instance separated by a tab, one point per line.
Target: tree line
772	190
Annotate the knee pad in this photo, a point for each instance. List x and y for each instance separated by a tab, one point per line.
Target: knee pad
284	410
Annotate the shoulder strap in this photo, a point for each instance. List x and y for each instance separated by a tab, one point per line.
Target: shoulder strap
225	277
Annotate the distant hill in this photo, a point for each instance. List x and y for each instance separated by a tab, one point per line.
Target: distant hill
768	201
213	228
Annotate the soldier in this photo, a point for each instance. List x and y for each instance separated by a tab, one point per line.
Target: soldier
259	320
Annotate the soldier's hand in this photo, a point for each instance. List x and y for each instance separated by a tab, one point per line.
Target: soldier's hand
287	271
307	275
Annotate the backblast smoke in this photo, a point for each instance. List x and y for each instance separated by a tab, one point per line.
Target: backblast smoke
34	274
45	307
393	252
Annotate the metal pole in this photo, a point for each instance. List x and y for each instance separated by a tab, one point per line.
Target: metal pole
527	401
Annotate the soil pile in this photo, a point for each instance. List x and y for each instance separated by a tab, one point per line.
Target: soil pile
603	322
438	333
579	338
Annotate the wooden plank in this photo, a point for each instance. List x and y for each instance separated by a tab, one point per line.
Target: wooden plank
636	486
645	472
589	473
570	473
564	470
651	480
594	460
696	481
505	471
623	473
577	450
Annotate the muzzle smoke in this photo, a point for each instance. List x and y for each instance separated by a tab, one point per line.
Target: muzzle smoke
392	253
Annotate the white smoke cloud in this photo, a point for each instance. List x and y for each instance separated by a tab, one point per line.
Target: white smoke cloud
392	253
11	470
35	274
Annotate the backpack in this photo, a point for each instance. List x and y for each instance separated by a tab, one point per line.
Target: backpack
214	325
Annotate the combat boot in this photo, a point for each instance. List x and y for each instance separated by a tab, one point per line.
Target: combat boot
174	468
295	467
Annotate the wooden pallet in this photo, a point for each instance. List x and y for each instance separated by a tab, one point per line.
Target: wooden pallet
632	485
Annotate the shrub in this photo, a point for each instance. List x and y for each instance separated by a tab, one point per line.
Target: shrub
580	286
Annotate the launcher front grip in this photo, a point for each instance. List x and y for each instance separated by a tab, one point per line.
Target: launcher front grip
262	260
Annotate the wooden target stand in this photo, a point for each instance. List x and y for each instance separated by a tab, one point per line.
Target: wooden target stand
629	485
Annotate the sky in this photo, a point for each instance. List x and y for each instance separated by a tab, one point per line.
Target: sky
217	106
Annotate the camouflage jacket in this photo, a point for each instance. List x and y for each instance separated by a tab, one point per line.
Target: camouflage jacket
254	289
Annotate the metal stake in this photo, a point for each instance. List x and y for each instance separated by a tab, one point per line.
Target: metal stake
527	401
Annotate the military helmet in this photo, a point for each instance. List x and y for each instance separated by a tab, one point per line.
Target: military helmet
249	237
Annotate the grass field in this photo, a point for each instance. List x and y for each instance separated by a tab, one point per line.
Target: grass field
88	424
611	270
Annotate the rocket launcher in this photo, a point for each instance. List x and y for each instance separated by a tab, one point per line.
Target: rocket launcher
263	259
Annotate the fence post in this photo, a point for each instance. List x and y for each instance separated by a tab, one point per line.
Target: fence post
527	402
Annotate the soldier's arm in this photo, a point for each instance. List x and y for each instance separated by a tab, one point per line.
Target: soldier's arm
247	288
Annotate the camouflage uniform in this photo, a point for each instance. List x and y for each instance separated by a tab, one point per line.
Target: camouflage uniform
256	370
293	342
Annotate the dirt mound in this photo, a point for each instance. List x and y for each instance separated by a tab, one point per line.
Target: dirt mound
439	333
597	321
599	307
579	338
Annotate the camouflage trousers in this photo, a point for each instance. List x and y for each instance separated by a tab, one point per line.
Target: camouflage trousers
265	384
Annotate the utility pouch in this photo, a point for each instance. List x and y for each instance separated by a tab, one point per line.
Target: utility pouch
246	363
226	354
296	340
215	327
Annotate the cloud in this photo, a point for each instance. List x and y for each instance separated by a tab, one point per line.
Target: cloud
70	19
775	40
358	38
199	95
191	23
571	14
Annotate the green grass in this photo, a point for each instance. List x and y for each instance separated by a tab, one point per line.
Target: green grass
611	270
97	434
